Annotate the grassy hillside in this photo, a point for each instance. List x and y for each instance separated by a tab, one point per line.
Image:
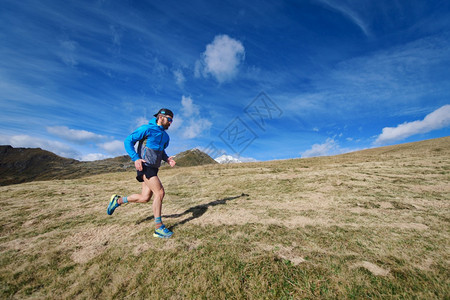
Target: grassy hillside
370	224
19	165
193	157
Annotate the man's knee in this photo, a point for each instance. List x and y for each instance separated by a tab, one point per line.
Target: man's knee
160	193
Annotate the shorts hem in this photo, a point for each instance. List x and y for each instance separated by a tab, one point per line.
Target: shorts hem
149	172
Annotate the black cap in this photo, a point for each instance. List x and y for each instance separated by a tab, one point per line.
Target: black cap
164	111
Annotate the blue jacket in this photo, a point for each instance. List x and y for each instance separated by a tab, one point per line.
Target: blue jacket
153	140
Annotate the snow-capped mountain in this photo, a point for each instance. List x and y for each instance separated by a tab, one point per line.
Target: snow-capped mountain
227	159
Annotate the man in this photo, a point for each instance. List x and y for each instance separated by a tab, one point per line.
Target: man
153	140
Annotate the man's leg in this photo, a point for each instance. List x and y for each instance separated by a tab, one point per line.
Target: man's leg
156	188
158	191
143	197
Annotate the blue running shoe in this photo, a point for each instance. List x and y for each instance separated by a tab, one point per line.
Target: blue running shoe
112	204
162	232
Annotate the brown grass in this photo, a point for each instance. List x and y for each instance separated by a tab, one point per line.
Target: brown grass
370	224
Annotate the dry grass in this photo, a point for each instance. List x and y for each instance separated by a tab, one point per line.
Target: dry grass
371	224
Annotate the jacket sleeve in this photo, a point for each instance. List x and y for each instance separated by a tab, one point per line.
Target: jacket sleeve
137	135
165	157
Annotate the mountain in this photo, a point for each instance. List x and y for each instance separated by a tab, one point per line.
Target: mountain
18	165
193	157
227	159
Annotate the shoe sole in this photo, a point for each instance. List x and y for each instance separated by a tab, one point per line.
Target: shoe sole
110	200
162	236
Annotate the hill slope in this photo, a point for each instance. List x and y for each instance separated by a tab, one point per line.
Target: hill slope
193	157
16	162
18	165
371	224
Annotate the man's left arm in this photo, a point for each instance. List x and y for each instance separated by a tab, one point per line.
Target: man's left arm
168	159
165	157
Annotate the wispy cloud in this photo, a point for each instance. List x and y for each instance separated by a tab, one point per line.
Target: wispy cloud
330	147
438	119
221	58
68	52
179	77
196	127
27	141
191	123
140	121
83	137
93	156
73	135
349	12
116	34
188	108
403	77
115	147
80	65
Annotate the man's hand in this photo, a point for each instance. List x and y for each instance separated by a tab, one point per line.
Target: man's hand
171	161
138	164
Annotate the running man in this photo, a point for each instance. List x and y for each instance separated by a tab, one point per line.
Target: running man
153	140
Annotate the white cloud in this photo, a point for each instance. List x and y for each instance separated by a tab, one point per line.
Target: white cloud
195	128
244	159
438	119
394	77
140	121
114	147
94	156
247	159
73	135
116	33
189	109
158	67
68	52
326	148
27	141
198	69
179	78
330	147
221	58
348	13
191	123
177	124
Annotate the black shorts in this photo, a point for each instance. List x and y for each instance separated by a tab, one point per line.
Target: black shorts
147	171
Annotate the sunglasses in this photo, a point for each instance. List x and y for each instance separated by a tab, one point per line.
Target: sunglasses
169	119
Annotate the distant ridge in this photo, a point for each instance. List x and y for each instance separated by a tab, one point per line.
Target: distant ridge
18	165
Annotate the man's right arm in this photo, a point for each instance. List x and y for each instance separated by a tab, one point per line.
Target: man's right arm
129	142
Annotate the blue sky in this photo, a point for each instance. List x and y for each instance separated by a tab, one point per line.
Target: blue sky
262	80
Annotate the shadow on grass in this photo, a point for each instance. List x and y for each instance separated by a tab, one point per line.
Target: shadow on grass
197	211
